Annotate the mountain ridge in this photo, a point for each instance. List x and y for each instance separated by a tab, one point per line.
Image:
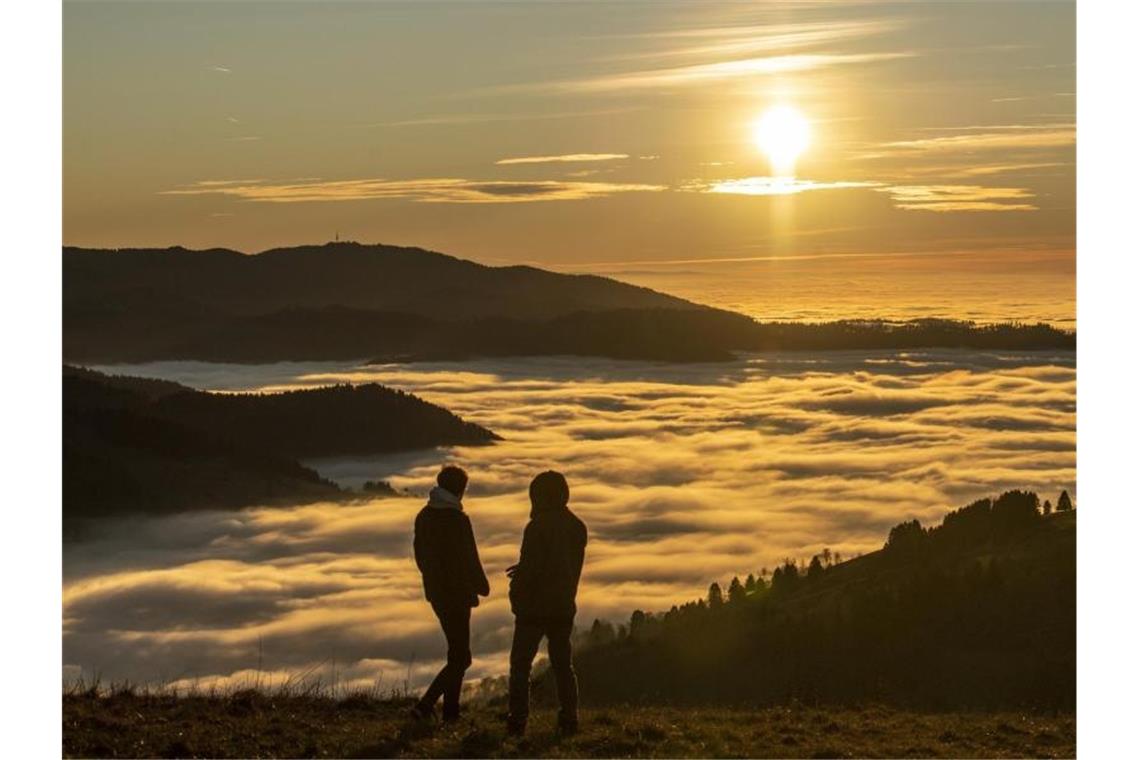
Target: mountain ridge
348	301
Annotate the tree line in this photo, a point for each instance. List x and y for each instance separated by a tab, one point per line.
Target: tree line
977	612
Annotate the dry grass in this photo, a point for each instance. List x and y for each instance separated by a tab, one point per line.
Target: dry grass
250	723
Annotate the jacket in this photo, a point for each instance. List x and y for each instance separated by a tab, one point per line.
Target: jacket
545	583
446	554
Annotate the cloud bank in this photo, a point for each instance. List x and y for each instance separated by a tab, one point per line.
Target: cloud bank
684	475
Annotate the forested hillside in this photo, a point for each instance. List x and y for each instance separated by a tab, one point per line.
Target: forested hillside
979	612
140	445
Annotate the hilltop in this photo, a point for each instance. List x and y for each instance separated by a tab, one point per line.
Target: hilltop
253	724
351	301
139	445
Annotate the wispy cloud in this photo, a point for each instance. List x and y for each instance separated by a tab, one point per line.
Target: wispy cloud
1002	137
442	190
565	158
945	198
939	198
709	72
221	69
979	170
741	40
473	118
1021	98
768	185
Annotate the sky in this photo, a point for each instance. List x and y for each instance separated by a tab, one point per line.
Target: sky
583	136
684	474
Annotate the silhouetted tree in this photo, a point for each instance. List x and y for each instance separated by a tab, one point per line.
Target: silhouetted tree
826	555
601	633
716	598
638	622
785	577
905	537
736	590
1064	503
815	569
1013	513
750	583
1047	508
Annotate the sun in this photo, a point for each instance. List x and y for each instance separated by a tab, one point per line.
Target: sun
783	133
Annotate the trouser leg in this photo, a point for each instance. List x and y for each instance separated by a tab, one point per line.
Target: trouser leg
457	630
435	689
561	655
448	683
524	647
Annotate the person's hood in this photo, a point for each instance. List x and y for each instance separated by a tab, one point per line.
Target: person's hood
441	498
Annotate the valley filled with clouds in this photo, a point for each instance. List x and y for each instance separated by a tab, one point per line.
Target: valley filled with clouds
684	474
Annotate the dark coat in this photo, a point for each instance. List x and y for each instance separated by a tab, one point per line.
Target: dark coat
545	583
448	559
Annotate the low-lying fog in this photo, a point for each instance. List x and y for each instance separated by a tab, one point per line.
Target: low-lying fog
684	475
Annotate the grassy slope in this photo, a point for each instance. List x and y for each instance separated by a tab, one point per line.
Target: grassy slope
251	724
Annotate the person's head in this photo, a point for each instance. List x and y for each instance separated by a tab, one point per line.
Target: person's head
549	490
453	479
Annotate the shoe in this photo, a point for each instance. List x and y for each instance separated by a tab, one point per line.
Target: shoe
516	727
450	717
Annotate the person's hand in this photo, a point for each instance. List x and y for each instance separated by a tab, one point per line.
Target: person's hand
512	570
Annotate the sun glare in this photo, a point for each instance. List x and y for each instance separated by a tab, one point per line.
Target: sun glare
783	133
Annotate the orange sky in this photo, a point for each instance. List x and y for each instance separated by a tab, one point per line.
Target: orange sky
570	134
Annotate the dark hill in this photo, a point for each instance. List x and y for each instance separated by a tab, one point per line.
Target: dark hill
350	301
977	613
138	445
362	277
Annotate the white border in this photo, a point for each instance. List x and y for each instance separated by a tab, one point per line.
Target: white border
1108	296
1108	244
30	199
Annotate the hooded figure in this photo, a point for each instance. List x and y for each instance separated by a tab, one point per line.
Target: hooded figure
544	585
453	582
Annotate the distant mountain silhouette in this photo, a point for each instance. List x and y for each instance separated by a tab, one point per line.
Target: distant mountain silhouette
352	301
137	445
979	612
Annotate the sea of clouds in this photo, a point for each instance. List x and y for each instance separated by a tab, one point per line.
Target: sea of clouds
684	474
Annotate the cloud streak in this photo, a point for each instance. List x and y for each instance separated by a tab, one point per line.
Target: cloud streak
946	198
703	73
443	190
562	159
744	39
999	138
769	185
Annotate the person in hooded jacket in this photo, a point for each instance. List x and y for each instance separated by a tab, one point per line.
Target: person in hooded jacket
453	580
544	585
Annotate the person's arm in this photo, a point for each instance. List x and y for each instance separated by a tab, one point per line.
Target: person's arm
580	554
523	573
474	565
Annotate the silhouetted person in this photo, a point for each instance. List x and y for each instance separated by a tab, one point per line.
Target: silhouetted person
453	582
544	585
